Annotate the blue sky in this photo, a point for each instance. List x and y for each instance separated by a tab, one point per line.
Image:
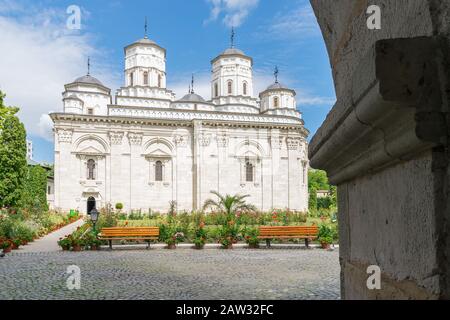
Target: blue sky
274	32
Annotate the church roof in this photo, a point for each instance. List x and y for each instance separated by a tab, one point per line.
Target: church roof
192	97
145	41
89	79
276	86
233	51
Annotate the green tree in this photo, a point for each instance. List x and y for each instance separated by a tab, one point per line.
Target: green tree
35	189
13	152
317	180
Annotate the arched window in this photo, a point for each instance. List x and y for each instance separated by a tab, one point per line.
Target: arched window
276	102
145	78
244	88
216	90
249	172
131	79
159	81
230	87
91	169
158	171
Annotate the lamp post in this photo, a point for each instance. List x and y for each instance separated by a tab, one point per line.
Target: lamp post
94	217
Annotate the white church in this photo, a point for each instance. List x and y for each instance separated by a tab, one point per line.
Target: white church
144	148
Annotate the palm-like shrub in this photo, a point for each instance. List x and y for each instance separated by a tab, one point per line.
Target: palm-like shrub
229	204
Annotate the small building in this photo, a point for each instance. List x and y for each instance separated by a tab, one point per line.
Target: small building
323	193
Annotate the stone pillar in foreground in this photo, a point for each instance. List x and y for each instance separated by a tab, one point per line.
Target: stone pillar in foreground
385	144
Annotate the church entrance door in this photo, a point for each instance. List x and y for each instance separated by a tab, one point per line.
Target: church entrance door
90	204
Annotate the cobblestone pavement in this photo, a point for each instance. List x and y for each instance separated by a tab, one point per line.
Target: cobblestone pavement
174	274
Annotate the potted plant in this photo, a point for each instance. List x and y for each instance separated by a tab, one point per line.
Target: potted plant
65	243
77	244
6	246
251	237
173	240
200	236
325	236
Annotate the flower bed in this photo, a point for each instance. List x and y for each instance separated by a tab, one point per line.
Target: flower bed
18	228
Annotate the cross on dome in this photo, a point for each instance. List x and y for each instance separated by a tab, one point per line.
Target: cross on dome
275	73
145	29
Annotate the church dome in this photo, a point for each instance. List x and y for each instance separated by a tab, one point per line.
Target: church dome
145	41
232	51
192	97
277	86
89	80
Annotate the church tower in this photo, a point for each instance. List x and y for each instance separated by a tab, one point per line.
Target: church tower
145	73
232	77
278	99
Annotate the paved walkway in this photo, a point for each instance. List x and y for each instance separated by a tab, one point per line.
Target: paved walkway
49	243
127	273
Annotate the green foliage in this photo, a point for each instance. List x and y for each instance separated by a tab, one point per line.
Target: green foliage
229	204
325	234
119	206
251	236
13	151
317	180
34	195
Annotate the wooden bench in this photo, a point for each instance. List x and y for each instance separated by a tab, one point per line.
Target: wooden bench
288	232
129	233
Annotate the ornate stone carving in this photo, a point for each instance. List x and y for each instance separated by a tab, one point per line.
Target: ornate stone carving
180	140
276	142
115	137
204	139
65	136
135	138
292	143
222	140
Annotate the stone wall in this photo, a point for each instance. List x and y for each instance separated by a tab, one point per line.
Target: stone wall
384	144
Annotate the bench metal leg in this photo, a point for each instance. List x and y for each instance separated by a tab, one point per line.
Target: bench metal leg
268	243
110	244
148	245
307	243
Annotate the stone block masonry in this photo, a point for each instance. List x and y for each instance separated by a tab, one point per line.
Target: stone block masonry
385	145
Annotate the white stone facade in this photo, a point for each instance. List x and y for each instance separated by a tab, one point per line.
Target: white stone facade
147	149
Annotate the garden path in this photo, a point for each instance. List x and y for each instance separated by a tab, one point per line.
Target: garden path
49	243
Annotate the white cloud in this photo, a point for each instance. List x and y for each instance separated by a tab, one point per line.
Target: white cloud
39	55
299	23
234	12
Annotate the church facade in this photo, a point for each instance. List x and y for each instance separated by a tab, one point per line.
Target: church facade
144	148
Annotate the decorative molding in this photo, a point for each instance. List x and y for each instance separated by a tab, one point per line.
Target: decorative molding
64	136
222	140
204	139
135	138
173	114
292	143
115	137
276	142
180	140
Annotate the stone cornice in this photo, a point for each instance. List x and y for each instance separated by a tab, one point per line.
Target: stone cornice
112	120
387	115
